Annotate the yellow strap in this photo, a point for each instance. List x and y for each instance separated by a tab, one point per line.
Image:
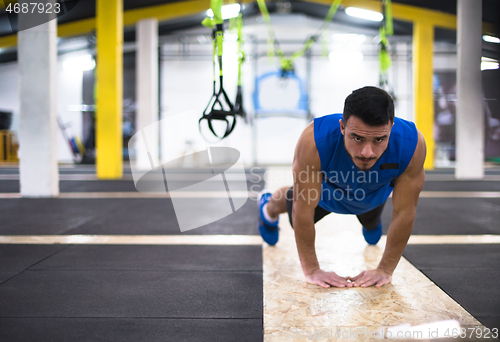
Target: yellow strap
329	16
271	48
216	6
287	63
241	55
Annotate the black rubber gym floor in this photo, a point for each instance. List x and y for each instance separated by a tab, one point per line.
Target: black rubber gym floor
133	293
125	292
194	293
112	216
467	273
452	216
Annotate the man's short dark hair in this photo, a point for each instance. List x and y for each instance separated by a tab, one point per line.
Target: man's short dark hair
372	105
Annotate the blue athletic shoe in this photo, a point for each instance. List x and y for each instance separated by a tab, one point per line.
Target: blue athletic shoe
373	236
269	231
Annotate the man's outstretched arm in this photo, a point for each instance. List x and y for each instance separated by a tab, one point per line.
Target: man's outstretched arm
407	189
306	193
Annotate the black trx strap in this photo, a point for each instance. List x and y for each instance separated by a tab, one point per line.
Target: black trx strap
219	107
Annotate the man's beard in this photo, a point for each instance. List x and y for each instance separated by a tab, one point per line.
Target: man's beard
363	167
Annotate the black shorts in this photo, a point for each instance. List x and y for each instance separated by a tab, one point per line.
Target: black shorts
369	220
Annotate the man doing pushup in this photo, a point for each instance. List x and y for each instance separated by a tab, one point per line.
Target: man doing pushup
349	164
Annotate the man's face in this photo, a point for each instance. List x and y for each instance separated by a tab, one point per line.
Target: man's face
364	144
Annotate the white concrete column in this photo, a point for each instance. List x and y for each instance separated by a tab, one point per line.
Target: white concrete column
470	115
37	56
147	91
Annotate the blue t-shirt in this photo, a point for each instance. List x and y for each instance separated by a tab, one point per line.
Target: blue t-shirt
345	188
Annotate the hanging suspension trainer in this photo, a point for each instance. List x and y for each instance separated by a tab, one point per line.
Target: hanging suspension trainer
219	107
238	103
286	64
386	29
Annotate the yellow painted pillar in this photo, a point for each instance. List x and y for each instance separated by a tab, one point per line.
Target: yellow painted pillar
423	41
109	136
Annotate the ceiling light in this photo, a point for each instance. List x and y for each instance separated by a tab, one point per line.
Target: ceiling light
79	64
488	63
364	14
228	11
491	39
